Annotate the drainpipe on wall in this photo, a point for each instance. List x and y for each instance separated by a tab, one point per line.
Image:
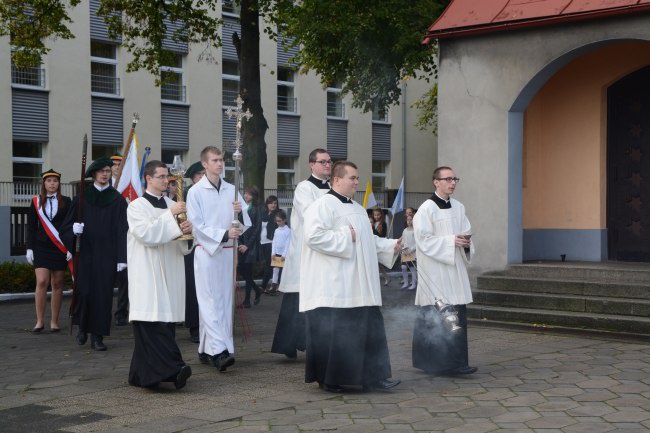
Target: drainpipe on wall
404	133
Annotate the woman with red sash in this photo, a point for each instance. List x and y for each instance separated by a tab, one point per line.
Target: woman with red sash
45	251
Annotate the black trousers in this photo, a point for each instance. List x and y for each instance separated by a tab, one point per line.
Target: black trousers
268	270
122	283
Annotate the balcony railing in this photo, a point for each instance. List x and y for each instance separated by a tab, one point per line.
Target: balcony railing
34	76
288	104
20	193
105	84
172	92
336	109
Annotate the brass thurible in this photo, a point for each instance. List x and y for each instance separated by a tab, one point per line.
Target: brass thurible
178	170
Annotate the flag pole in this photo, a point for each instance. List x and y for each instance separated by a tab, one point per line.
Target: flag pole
126	149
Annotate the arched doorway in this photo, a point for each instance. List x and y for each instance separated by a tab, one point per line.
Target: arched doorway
628	167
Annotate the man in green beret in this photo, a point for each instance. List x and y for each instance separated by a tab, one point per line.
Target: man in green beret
102	231
195	173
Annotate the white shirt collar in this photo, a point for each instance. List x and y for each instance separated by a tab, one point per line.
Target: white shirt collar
101	188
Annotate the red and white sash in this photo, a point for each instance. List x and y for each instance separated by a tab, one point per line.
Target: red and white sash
51	231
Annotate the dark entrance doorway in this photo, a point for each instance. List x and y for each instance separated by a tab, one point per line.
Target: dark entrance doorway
628	167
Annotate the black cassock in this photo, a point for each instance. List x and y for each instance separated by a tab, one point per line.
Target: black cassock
290	330
435	349
156	356
346	346
103	246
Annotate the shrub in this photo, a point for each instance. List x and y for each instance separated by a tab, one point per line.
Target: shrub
17	277
20	278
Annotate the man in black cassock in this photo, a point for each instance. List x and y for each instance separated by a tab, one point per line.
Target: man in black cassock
340	290
103	252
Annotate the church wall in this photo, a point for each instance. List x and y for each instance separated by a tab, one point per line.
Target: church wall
486	83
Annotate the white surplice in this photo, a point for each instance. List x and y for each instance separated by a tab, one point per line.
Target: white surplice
155	262
304	195
211	214
335	271
442	272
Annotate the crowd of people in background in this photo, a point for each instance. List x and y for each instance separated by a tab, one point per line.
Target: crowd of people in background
325	262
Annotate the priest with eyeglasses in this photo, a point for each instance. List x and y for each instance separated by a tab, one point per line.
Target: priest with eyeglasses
156	282
443	250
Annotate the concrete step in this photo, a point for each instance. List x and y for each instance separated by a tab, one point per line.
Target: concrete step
545	301
576	320
616	272
530	284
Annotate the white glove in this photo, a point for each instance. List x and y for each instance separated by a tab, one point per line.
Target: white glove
121	267
78	228
30	257
68	256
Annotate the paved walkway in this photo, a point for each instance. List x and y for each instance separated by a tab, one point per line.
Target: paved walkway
527	382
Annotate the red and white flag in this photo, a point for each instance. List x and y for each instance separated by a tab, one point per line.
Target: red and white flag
129	184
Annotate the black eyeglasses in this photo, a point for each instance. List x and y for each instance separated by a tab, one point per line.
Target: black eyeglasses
449	179
324	162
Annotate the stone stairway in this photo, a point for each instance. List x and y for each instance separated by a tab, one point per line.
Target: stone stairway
610	296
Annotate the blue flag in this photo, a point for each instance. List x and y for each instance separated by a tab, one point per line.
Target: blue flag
147	151
398	204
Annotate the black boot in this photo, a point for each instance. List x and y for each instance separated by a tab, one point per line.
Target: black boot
97	342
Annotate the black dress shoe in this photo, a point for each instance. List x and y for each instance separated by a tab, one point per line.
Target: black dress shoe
463	370
181	378
330	388
223	360
382	384
37	330
97	343
81	338
204	358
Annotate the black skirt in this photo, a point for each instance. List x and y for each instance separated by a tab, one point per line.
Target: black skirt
156	356
290	331
346	346
48	256
435	349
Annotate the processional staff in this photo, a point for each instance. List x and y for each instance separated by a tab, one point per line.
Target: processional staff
77	243
239	114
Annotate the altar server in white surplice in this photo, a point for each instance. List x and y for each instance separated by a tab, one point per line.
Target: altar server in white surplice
340	290
443	247
290	330
156	282
211	206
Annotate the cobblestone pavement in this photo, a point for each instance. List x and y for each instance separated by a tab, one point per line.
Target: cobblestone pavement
527	382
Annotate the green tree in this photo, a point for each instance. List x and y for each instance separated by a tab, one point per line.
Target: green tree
369	45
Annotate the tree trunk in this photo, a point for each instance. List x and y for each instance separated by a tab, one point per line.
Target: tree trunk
253	130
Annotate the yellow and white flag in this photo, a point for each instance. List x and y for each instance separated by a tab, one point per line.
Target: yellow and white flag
369	201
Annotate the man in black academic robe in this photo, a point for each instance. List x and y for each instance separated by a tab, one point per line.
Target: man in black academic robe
102	252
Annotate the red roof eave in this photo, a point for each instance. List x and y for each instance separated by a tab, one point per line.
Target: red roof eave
529	23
